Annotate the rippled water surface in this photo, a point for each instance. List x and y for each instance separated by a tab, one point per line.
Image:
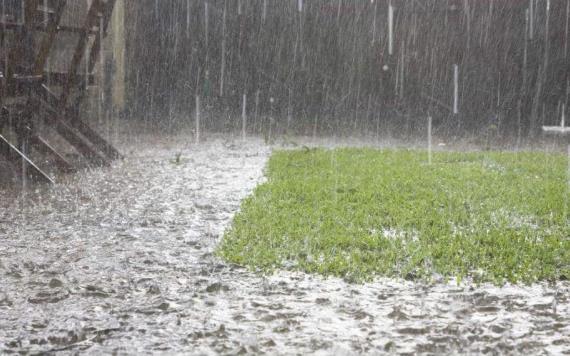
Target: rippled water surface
121	259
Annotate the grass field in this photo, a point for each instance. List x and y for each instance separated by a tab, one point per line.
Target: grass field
359	213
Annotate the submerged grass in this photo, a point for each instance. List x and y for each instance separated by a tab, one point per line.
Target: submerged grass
357	213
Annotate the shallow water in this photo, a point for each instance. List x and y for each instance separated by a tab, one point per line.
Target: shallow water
121	259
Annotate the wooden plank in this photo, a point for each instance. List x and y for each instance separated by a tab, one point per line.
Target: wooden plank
73	137
38	143
93	136
96	139
90	22
47	102
72	115
72	118
47	43
15	55
17	158
44	147
3	117
95	49
118	40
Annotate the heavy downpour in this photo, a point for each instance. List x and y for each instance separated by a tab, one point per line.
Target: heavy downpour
284	177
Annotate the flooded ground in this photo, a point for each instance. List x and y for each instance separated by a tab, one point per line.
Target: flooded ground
121	260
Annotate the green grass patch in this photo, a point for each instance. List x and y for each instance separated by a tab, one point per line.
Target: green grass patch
358	213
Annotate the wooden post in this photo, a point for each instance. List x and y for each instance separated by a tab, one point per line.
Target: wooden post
567	203
197	117
455	89
531	18
243	117
223	59
118	47
16	157
390	29
429	140
256	110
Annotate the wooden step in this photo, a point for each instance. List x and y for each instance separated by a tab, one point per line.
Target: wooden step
17	159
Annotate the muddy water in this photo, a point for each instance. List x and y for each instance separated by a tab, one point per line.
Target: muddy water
120	259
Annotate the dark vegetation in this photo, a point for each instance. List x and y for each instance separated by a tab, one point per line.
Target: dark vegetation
329	69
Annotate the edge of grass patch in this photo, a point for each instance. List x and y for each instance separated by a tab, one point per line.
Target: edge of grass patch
358	213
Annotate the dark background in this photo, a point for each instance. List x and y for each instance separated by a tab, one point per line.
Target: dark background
324	65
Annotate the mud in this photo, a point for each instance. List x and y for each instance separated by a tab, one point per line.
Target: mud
121	260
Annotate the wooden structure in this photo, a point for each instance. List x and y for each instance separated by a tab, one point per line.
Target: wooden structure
31	92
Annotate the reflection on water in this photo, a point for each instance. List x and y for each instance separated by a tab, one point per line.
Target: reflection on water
120	259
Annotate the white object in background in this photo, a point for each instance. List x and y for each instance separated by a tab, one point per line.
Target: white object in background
559	129
374	24
223	59
455	89
567	186
429	139
197	119
531	11
243	116
187	18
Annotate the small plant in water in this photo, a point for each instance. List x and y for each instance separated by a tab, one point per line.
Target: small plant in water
177	160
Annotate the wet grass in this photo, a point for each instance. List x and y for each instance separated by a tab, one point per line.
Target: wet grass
357	213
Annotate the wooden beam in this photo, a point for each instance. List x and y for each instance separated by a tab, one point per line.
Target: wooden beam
56	119
44	147
37	142
94	137
117	34
47	43
91	21
15	55
17	159
71	117
95	49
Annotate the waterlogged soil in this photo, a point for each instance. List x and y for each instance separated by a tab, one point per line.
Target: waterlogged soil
121	260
